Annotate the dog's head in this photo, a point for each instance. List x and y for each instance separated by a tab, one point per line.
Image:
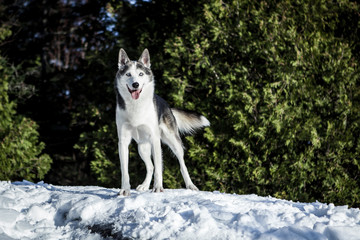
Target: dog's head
134	76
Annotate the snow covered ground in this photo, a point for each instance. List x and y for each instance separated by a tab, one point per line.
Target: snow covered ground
43	211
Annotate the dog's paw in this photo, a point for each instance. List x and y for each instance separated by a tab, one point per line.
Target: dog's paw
124	192
192	187
158	189
142	188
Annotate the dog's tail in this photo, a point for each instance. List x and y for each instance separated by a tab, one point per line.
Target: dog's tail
188	122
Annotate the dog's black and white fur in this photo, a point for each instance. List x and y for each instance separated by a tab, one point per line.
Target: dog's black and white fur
145	117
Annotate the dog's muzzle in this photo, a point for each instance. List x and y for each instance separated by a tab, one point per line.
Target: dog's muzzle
135	94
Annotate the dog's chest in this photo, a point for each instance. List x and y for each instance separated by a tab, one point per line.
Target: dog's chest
140	120
139	114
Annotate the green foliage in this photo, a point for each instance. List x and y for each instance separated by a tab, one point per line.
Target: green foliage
20	149
64	50
281	83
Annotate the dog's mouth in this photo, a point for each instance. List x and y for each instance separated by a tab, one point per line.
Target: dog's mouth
135	94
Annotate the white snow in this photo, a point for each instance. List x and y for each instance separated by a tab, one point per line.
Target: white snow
44	211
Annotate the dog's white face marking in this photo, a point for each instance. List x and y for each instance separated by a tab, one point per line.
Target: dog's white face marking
134	79
133	76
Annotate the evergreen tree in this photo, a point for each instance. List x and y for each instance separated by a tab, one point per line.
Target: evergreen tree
281	83
66	45
20	150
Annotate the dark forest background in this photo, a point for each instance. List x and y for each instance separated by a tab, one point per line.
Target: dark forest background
278	80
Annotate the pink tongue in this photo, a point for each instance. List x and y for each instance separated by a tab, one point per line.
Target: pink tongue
135	94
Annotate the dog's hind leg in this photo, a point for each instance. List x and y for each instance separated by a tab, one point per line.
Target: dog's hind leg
145	153
173	140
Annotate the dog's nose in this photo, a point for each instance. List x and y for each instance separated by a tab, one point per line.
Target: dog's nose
135	85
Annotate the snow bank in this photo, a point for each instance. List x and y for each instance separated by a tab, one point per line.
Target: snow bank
43	211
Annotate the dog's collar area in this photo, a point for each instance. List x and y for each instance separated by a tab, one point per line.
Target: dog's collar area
135	94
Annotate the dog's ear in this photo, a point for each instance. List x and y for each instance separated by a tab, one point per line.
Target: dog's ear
145	58
123	58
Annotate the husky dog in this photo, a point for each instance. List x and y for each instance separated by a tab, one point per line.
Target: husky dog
145	117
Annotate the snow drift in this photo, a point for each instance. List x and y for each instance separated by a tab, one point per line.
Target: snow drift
43	211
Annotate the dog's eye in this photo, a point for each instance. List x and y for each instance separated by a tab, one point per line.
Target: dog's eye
141	74
128	74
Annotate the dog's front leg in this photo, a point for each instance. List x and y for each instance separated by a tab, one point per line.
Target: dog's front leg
157	155
124	141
